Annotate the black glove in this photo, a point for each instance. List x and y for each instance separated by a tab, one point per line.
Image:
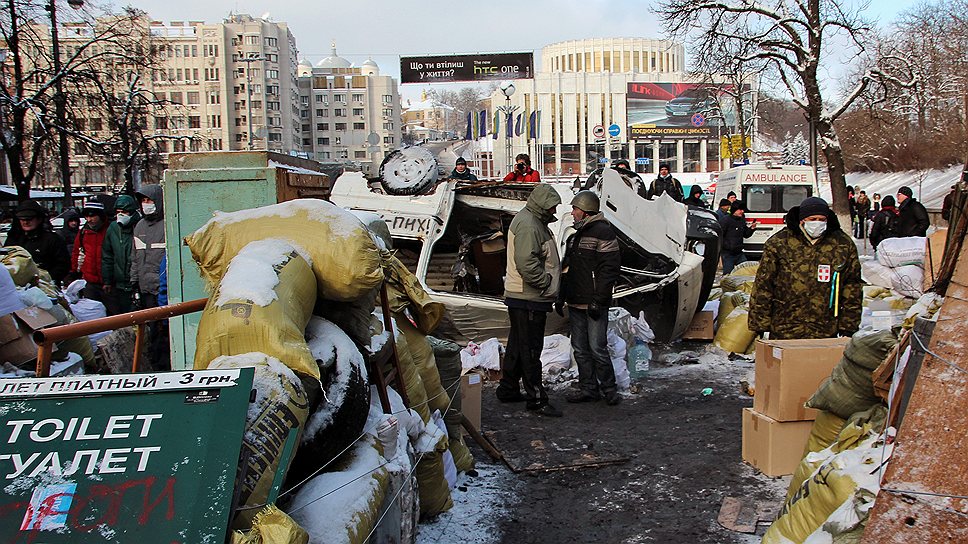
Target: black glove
594	311
560	308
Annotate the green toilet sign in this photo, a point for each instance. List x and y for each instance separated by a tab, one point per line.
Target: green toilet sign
146	458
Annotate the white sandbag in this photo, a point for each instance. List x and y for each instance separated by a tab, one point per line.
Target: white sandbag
9	301
908	280
617	352
450	469
875	273
485	355
556	354
895	252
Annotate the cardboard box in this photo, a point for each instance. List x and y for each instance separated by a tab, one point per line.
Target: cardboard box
934	251
701	327
774	447
788	372
16	342
471	384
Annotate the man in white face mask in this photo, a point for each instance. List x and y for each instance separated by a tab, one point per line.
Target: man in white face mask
148	252
808	284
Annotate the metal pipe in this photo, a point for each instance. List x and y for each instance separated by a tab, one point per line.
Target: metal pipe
45	338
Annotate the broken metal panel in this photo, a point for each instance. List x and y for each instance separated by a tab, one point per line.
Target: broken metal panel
922	496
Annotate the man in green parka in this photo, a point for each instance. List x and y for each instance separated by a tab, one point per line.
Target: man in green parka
116	257
808	284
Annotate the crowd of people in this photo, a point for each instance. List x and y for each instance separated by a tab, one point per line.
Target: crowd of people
114	258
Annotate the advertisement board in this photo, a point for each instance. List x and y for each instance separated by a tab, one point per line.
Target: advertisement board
677	110
475	67
147	458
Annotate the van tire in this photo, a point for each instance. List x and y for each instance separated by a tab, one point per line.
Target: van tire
408	171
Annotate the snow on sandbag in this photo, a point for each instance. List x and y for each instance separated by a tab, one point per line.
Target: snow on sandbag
262	304
895	252
875	273
849	388
926	307
734	335
908	281
272	526
280	396
486	355
339	417
837	496
556	354
450	469
9	301
344	258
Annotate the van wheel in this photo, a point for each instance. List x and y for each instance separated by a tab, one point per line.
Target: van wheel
408	171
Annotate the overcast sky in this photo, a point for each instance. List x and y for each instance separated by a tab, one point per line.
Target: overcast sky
387	30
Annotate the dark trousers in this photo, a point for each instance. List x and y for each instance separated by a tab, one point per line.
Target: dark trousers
159	352
589	342
731	259
118	301
522	358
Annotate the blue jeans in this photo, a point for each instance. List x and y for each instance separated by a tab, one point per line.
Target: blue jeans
589	341
730	260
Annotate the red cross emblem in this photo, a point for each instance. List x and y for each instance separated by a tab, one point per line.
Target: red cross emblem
823	273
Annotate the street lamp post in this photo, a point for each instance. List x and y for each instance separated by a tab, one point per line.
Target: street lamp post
60	101
507	88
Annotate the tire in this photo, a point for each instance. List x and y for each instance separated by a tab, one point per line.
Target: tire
408	171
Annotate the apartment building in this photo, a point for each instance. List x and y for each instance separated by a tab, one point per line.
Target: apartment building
221	86
347	114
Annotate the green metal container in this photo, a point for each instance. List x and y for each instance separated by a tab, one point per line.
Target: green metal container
197	185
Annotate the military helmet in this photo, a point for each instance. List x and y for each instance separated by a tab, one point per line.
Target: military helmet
587	202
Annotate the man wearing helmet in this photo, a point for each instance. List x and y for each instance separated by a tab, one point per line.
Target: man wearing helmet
590	269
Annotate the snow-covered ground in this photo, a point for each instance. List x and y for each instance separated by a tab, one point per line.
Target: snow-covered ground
477	502
931	185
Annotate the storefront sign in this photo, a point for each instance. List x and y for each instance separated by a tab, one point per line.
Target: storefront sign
147	458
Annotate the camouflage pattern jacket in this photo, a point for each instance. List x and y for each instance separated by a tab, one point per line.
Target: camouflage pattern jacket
796	285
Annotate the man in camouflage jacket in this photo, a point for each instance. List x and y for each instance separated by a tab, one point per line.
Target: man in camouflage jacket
808	284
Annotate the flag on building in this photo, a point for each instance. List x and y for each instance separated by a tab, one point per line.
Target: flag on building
517	126
496	125
510	131
470	129
482	128
533	124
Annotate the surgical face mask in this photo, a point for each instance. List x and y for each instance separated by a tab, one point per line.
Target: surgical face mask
148	208
123	220
815	229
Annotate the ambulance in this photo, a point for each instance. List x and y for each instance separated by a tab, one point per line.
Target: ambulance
769	192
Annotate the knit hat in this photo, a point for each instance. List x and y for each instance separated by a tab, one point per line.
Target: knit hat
906	191
724	202
664	165
813	206
29	209
696	190
736	205
93	207
888	201
460	160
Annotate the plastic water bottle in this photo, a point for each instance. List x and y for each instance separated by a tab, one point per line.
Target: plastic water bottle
638	359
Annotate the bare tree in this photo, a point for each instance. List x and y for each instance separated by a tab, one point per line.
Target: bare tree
794	38
28	92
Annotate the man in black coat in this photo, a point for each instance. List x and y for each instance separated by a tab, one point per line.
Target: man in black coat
665	183
592	264
461	172
34	233
735	231
912	217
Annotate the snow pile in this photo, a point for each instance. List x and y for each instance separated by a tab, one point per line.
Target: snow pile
930	186
339	221
251	274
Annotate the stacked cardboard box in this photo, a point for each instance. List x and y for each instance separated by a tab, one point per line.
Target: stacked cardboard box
788	372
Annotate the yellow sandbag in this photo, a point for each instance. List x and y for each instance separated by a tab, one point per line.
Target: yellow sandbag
404	291
272	526
734	335
824	432
716	293
416	393
81	346
247	313
899	303
463	459
423	358
343	255
840	484
876	291
727	303
280	404
21	265
746	268
432	485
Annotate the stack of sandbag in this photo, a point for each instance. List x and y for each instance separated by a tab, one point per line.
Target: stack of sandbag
447	357
268	268
35	288
850	388
899	266
834	489
732	319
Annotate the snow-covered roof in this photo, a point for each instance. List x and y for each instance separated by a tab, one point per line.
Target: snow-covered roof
427	105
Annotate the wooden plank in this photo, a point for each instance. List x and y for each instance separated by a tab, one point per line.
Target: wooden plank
738	514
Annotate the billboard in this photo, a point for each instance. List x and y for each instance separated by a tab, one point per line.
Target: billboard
475	67
677	110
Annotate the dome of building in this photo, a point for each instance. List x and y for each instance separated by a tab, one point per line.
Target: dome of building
369	68
334	61
304	68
